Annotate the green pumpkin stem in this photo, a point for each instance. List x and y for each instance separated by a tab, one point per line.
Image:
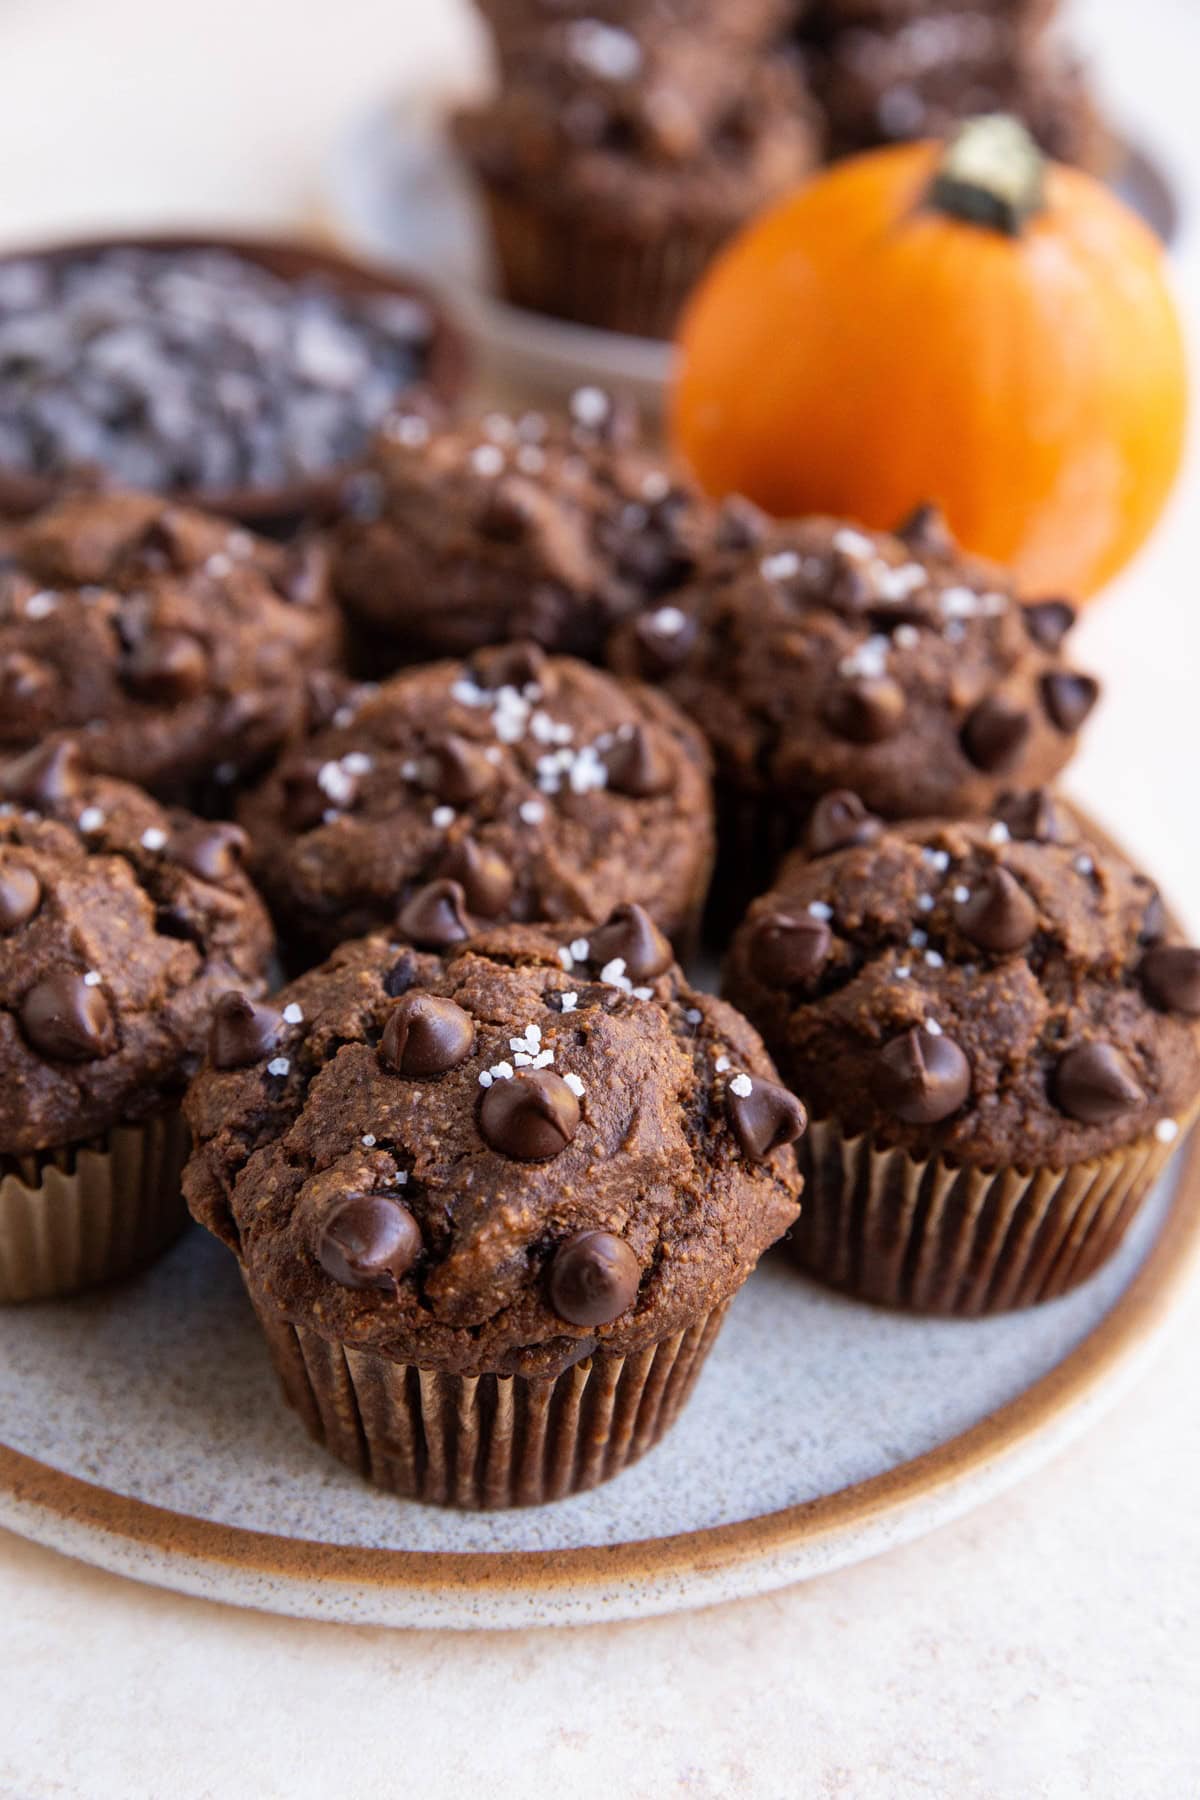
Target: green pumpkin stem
991	173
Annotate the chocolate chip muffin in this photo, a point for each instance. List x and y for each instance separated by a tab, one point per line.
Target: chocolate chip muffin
172	647
537	526
996	1030
512	786
121	925
491	1206
833	657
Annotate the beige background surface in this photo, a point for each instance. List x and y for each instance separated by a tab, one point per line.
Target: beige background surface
1046	1646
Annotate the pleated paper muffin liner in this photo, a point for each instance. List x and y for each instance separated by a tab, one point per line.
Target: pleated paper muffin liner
486	1441
553	263
928	1237
89	1213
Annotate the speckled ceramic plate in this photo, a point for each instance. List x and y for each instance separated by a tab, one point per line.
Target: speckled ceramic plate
142	1431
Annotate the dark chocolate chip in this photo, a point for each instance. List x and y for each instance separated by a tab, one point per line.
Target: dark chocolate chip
242	1032
1068	698
167	667
20	895
867	711
401	976
787	948
369	1241
1048	622
925	529
486	880
1094	1084
998	915
838	820
1035	818
637	766
764	1119
922	1077
1170	977
740	524
995	733
594	1278
1154	920
211	852
630	935
531	1117
460	771
663	640
435	917
67	1020
426	1035
519	665
44	776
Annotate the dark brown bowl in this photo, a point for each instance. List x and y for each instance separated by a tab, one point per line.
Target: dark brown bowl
445	378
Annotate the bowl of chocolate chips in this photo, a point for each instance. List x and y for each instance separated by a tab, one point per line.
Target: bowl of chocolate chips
241	374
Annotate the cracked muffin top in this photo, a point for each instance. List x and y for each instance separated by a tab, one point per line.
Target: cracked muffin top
831	657
1009	992
120	925
494	1160
172	645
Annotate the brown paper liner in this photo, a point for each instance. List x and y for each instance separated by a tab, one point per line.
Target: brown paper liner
486	1441
553	263
75	1217
930	1238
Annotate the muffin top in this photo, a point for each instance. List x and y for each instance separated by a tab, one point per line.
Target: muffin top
120	925
1007	993
531	526
513	786
832	657
495	1160
169	643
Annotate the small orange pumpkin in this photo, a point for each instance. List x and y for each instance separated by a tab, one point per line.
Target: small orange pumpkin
967	325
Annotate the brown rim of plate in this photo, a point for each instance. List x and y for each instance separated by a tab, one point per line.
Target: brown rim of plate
446	374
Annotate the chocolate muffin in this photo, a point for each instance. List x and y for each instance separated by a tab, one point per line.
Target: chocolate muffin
491	1206
995	1028
121	925
835	657
513	786
172	647
615	160
532	526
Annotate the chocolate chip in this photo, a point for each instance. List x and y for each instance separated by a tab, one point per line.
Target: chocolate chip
1170	977
531	1117
1154	920
740	524
637	766
45	776
426	1035
1048	622
369	1241
20	895
241	1032
764	1118
838	820
436	917
630	935
1094	1084
995	733
999	915
460	771
167	667
866	712
925	529
663	640
67	1020
788	948
1035	818
486	880
510	665
1069	698
211	852
922	1077
594	1278
401	976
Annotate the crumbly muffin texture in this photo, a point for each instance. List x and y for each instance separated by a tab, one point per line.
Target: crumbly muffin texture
170	644
120	925
511	786
496	1160
1007	993
514	526
892	665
